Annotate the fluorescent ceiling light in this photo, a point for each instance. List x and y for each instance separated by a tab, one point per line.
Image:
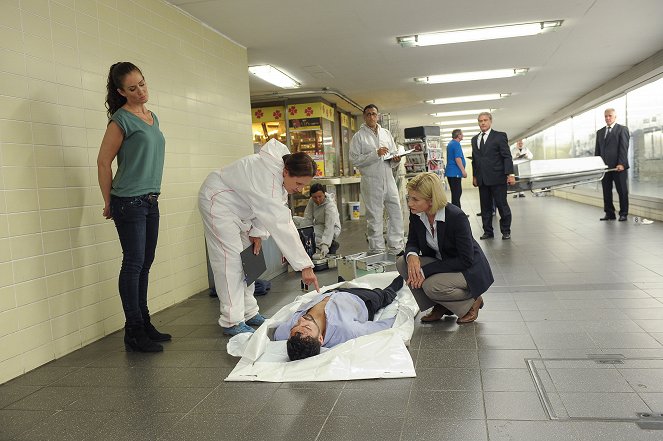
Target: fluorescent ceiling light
471	76
468	98
478	34
461	112
272	75
456	122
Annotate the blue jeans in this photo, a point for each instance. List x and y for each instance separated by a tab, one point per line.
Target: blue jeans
137	223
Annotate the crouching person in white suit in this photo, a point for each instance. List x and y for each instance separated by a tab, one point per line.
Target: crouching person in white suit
244	203
322	213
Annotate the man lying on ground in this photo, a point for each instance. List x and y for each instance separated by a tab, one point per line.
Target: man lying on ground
335	317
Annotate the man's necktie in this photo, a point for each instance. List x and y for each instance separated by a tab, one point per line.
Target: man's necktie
483	134
607	132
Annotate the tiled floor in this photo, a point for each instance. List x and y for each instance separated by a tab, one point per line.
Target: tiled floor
566	286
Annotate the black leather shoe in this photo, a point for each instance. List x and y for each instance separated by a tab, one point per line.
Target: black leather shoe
622	218
506	236
486	236
607	218
479	214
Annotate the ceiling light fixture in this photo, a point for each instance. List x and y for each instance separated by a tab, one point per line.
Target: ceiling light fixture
456	122
468	98
462	112
471	76
272	75
478	34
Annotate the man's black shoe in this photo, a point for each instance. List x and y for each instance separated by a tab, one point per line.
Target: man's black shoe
506	236
479	214
608	218
486	236
622	218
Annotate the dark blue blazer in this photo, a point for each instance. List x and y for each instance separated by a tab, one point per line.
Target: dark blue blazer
613	149
492	163
460	252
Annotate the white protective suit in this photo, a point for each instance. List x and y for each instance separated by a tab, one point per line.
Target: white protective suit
378	187
325	220
246	198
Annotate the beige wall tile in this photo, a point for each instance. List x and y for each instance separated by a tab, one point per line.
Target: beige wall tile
51	198
35	336
36	25
50	136
54	220
38	46
15	132
13	85
65	323
28	269
64	14
64	34
6	274
20	177
58	262
21	200
60	283
40	90
30	291
33	314
26	246
21	155
40	68
5	250
12	62
11	14
38	356
67	344
14	108
51	177
24	223
7	298
58	240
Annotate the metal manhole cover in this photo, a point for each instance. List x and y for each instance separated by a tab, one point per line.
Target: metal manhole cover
601	387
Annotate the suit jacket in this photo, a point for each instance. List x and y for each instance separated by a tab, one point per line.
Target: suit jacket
493	162
460	252
613	149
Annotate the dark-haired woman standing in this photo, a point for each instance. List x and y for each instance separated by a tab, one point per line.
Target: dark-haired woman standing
131	196
241	204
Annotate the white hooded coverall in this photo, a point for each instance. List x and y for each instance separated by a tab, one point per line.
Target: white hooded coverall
378	187
246	198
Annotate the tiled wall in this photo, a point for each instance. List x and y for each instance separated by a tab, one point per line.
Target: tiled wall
59	258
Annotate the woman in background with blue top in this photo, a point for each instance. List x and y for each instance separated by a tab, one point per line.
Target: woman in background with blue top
130	198
455	170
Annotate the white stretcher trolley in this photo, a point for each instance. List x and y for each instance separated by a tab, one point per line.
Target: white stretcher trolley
551	174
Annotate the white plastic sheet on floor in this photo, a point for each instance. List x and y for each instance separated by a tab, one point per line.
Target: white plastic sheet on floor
380	355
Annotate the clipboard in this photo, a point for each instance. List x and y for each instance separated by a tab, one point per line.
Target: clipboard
399	153
253	265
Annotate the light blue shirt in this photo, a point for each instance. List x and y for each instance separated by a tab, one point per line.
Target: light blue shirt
347	318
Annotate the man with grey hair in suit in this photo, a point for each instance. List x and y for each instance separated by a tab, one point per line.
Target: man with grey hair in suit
612	146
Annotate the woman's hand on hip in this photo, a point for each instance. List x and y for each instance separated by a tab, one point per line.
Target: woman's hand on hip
415	278
309	278
257	244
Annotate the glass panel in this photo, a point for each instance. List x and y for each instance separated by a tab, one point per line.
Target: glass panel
548	144
584	134
563	139
645	121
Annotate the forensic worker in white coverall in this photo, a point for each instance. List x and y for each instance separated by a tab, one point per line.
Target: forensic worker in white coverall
244	203
378	188
321	212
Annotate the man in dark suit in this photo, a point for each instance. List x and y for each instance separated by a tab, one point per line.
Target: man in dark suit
492	171
612	146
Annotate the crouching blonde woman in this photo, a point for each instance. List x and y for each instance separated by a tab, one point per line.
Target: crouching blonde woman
443	264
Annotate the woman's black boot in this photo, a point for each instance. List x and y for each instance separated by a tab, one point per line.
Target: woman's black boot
152	332
136	340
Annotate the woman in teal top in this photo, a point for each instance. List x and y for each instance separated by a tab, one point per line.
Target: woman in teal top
131	197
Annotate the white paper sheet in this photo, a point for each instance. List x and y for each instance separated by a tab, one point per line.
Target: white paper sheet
380	355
